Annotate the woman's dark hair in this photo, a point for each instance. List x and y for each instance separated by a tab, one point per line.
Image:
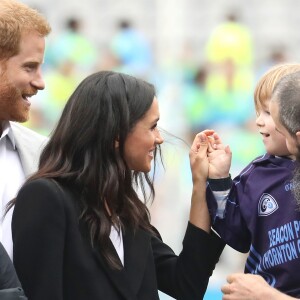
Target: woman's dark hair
82	153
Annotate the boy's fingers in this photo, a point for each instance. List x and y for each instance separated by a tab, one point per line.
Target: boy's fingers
228	150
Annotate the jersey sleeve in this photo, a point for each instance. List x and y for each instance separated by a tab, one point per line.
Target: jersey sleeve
223	198
220	189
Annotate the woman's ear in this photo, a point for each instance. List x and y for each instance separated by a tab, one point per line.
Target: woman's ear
116	143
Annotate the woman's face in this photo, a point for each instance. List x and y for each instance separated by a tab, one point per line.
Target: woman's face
142	140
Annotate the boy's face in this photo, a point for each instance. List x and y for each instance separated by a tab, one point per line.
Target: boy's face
274	141
292	142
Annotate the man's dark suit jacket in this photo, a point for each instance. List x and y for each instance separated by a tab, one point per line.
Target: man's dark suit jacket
54	259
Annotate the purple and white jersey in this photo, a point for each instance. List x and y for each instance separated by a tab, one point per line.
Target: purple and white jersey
261	216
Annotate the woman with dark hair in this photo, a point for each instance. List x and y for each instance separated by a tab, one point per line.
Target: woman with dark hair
80	230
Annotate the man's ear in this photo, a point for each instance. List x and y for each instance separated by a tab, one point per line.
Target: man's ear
298	137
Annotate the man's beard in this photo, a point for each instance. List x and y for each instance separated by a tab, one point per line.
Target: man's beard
296	178
11	109
8	94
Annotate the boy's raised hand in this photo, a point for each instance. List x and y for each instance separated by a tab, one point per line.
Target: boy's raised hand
219	156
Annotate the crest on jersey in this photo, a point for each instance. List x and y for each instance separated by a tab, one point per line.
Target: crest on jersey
267	205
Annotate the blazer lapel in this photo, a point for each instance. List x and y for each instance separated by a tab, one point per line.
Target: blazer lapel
128	280
136	247
117	277
29	146
29	164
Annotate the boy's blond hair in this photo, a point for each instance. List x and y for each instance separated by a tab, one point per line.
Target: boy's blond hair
265	86
16	19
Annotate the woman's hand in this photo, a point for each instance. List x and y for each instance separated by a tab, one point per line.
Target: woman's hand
198	158
199	215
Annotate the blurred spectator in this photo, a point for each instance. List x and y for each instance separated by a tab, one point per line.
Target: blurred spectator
71	45
230	43
69	54
196	104
132	50
276	55
229	55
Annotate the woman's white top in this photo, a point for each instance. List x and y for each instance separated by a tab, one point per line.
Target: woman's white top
117	241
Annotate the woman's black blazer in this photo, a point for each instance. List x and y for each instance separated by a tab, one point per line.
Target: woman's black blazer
55	260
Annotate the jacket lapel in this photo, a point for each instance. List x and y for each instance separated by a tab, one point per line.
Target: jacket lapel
29	146
136	247
128	280
117	277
